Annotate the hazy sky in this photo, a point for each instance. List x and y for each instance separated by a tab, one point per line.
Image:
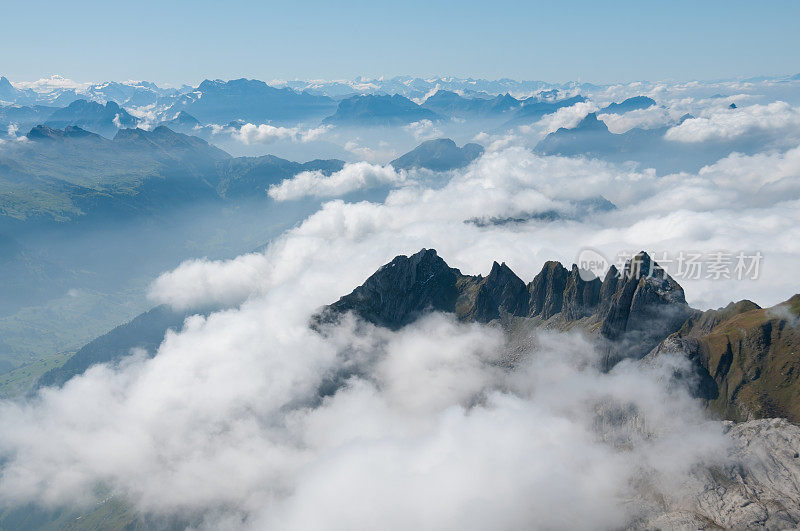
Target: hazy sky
182	41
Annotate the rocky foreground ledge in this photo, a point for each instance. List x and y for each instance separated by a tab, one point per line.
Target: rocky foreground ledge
761	490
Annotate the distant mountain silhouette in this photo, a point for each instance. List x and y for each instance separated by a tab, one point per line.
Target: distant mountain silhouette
533	109
23	117
71	174
451	104
631	104
219	102
438	155
105	119
248	177
374	110
146	332
9	94
183	122
74	175
592	138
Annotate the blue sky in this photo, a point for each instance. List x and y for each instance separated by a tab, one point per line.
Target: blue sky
597	41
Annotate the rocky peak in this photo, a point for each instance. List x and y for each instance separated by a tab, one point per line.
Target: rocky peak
592	123
500	292
184	118
400	291
634	310
646	306
547	290
581	297
608	288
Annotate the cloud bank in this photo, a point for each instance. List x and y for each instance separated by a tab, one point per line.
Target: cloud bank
356	176
727	123
266	134
226	422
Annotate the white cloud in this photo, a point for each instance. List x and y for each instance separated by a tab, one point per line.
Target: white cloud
650	118
724	124
267	134
356	176
223	422
381	153
566	117
423	130
147	115
200	283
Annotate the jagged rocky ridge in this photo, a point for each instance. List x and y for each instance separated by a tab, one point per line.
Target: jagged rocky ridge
745	360
632	310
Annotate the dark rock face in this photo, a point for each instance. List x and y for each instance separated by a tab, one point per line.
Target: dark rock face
402	290
581	297
547	290
635	311
643	287
608	288
555	290
501	292
646	307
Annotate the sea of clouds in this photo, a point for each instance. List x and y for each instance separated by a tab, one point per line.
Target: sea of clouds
248	418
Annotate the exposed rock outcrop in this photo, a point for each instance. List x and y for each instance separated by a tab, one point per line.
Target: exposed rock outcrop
502	292
757	488
547	290
633	311
402	290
